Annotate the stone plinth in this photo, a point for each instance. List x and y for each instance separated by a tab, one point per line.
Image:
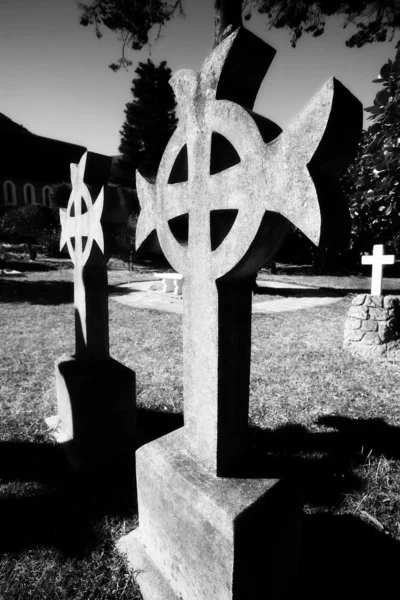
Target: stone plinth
203	537
372	328
96	410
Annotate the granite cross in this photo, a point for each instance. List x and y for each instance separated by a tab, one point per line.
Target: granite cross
377	260
83	235
227	188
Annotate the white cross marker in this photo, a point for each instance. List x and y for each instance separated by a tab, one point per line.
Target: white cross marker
377	260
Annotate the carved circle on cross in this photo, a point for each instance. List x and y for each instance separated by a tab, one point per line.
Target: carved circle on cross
278	178
204	191
81	221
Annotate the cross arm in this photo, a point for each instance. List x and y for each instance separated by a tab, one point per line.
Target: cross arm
174	201
146	192
310	156
242	55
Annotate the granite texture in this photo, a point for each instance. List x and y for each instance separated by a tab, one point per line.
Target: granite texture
202	536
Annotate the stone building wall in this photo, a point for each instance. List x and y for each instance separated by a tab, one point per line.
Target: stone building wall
19	197
372	327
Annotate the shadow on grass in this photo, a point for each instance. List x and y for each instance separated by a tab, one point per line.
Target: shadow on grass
44	503
313	292
152	424
37	292
29	461
341	555
324	460
25	266
117	290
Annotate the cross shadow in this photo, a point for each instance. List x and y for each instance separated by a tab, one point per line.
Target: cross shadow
25	266
314	292
48	504
36	292
153	424
343	557
299	292
340	555
117	290
325	461
61	508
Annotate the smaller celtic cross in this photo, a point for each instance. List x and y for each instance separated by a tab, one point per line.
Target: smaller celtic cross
83	235
377	260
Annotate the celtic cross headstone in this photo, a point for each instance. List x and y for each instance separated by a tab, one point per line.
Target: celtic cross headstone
267	186
228	187
82	233
95	394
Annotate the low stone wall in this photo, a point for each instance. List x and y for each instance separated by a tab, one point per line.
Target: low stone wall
372	327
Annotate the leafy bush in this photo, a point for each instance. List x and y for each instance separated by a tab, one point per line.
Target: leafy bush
49	242
59	194
26	224
121	239
372	182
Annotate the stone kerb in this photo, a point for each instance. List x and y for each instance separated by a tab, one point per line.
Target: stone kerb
372	327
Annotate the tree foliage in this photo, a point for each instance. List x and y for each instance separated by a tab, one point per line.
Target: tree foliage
59	194
150	120
133	20
372	182
26	224
376	20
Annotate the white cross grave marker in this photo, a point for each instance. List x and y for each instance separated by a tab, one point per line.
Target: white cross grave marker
377	260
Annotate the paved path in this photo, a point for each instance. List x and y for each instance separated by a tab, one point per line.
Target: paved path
146	295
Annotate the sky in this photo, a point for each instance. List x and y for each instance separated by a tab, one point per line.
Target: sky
56	82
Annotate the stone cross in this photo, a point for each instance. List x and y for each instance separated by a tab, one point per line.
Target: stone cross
377	260
83	235
95	394
227	188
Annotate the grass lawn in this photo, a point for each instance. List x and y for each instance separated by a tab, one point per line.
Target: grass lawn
315	411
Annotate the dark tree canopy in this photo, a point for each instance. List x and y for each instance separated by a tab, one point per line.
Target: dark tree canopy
150	120
376	20
132	20
372	183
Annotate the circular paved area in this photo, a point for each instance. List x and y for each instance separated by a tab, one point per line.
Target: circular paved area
146	295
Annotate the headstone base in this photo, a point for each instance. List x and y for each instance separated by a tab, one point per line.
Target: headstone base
96	410
202	536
